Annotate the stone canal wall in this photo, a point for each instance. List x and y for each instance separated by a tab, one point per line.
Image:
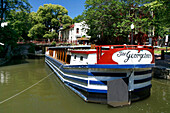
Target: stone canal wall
161	72
162	67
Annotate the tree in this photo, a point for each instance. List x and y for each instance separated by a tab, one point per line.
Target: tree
161	20
7	5
49	18
37	31
8	35
110	20
21	23
78	19
51	35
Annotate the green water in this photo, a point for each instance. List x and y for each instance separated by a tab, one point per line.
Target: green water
51	96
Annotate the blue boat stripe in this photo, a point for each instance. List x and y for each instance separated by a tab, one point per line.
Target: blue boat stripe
53	60
86	89
55	71
111	74
122	66
76	72
67	71
75	66
82	88
63	69
98	82
143	72
142	80
77	92
90	74
143	88
115	66
77	79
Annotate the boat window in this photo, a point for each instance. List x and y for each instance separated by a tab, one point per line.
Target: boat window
81	58
75	56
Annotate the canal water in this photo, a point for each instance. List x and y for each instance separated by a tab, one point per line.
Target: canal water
31	87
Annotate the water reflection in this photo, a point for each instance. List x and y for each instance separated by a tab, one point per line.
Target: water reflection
4	77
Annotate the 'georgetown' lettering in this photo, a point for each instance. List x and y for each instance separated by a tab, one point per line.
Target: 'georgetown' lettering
129	55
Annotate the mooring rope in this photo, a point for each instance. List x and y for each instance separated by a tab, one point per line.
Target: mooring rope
25	89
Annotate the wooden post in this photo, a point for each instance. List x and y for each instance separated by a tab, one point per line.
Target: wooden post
97	54
100	52
60	54
63	55
162	55
55	53
66	56
92	46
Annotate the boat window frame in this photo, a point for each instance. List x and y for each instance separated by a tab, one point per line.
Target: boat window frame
75	56
81	58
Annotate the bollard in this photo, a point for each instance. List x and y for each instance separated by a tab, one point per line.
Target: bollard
162	55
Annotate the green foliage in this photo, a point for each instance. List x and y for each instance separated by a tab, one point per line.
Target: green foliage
110	20
105	20
161	19
78	19
31	48
1	49
8	35
37	31
84	36
21	23
51	35
48	19
53	43
6	6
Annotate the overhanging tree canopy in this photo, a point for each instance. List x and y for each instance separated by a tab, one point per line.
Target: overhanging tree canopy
7	5
49	18
110	20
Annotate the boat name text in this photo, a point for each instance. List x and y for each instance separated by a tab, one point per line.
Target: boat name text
129	55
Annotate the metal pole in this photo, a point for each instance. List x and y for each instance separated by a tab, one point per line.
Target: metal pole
132	38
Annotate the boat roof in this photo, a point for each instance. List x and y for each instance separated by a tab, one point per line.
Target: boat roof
70	47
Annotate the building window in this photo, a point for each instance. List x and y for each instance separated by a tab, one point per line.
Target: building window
77	30
81	58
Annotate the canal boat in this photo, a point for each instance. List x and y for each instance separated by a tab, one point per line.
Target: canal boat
112	74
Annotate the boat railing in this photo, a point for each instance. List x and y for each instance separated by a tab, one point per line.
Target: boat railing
63	54
102	48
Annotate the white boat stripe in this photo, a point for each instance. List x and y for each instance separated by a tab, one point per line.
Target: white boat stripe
88	87
141	85
139	77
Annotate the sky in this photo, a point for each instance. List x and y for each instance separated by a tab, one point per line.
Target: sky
74	7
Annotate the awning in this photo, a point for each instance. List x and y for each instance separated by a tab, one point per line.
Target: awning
83	38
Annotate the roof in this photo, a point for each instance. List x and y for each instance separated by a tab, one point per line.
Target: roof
68	27
83	38
71	47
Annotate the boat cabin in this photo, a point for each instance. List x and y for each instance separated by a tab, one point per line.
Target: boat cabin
109	54
83	57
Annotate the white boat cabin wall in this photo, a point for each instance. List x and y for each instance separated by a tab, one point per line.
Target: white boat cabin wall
79	58
83	59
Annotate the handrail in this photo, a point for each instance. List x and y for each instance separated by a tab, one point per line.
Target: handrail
125	46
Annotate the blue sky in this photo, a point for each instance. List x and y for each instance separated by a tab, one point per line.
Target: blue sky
74	7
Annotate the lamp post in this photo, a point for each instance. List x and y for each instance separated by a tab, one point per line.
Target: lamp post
2	44
132	27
